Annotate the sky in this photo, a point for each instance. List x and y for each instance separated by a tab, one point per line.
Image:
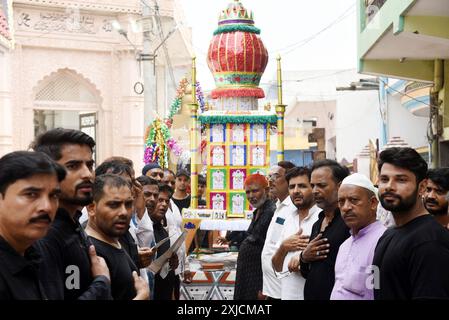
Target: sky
308	34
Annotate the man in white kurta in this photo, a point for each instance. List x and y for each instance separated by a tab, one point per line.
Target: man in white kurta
295	234
284	207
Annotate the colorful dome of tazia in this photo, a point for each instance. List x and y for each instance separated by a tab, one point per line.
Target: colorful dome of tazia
237	56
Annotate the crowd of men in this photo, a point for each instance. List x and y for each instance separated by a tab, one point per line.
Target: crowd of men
72	232
333	235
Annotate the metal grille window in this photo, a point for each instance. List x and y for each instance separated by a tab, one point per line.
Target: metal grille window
64	86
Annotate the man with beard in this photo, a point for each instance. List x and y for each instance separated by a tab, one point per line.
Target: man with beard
71	269
164	281
140	232
284	208
328	233
29	190
150	191
357	199
249	278
109	217
435	195
295	234
412	258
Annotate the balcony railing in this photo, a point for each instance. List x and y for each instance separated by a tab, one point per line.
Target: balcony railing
372	7
415	86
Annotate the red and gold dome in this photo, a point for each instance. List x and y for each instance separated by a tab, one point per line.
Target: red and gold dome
237	56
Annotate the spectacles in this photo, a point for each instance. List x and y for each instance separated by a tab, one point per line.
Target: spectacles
274	176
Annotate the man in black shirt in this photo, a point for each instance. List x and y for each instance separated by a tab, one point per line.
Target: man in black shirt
164	281
412	259
317	261
249	276
181	198
71	269
109	217
435	195
29	190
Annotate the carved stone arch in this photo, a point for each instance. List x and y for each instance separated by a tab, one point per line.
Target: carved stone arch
67	86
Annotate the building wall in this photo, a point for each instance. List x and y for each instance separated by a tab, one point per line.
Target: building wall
103	61
322	111
6	143
402	123
358	120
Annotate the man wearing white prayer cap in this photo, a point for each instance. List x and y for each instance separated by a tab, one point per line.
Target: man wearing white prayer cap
355	277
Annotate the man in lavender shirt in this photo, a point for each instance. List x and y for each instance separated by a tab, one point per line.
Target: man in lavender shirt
357	199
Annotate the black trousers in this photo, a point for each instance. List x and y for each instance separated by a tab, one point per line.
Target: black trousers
163	288
177	287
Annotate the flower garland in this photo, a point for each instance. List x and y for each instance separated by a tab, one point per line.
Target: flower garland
157	136
177	103
200	97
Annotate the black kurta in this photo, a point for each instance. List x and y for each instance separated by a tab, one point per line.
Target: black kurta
249	279
320	275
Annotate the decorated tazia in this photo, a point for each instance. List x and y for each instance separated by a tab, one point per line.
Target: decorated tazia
237	56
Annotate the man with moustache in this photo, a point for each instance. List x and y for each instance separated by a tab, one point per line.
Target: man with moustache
295	234
328	233
164	281
284	208
174	222
29	191
71	269
169	178
435	195
140	230
412	258
109	217
249	277
154	171
357	200
150	191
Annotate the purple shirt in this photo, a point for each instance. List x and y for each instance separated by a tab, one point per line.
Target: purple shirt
352	267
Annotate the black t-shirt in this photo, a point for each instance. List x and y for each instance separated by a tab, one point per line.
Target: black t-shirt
130	246
19	274
183	203
65	249
320	275
121	267
413	261
202	203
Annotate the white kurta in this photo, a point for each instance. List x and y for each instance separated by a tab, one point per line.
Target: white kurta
292	286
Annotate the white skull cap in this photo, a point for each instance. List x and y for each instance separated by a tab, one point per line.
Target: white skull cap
360	180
